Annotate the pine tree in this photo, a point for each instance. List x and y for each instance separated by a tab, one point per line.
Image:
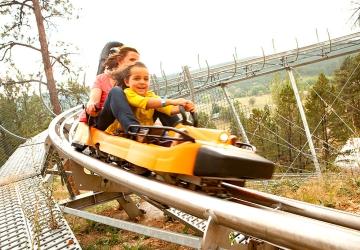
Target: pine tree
288	123
20	20
319	115
347	95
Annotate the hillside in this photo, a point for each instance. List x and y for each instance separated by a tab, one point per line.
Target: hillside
261	85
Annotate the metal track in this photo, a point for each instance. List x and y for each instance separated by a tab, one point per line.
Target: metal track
29	218
25	212
27	161
13	227
280	228
197	224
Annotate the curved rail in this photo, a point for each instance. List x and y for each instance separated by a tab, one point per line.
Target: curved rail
280	228
297	207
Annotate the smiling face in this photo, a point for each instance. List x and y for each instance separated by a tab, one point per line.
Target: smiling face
138	80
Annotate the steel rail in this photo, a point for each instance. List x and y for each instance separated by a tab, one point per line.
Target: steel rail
242	76
340	46
178	238
278	227
259	60
325	214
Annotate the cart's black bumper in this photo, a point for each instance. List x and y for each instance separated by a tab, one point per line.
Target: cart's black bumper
222	162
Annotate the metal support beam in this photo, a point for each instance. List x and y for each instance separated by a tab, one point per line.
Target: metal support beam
68	179
177	238
129	206
189	82
217	237
236	115
55	165
90	199
304	121
87	181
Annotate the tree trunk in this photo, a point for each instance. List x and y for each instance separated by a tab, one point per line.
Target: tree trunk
277	145
289	139
326	139
46	59
301	166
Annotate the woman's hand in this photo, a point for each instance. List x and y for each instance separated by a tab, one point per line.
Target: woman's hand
94	100
91	108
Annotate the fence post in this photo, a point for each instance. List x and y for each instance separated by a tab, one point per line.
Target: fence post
304	121
235	114
189	82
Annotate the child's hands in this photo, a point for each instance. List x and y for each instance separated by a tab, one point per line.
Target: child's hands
179	102
190	106
187	104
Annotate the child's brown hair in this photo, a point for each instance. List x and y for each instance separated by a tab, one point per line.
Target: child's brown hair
125	74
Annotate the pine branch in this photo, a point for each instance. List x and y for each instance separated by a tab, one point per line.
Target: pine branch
12	44
58	59
8	46
12	3
12	82
21	14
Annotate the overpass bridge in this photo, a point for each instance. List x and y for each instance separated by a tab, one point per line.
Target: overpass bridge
30	218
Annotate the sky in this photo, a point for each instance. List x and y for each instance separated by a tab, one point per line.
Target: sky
175	33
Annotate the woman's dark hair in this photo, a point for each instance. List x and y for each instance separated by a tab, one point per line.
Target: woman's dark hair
106	51
125	74
113	60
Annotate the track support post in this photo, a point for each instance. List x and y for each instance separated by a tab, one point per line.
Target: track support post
129	207
217	236
303	118
235	114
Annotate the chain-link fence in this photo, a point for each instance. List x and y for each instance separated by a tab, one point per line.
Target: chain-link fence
25	113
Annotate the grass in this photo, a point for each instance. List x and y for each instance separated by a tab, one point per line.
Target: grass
259	101
335	190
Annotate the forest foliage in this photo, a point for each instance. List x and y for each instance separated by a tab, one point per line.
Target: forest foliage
29	59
